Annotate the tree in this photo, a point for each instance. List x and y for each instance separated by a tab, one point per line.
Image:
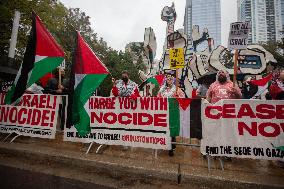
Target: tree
67	21
277	50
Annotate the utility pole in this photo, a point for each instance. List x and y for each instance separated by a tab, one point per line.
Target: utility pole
13	40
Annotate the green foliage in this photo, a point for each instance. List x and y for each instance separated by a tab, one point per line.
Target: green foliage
62	23
276	49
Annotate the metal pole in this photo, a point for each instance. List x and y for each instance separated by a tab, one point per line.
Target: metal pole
14	35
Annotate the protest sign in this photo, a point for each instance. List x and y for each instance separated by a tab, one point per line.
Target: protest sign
35	116
145	122
176	58
238	37
244	129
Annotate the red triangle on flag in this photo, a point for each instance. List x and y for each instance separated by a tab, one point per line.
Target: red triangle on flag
262	82
160	79
45	43
184	102
86	60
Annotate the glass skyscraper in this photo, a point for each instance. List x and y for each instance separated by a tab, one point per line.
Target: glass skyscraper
265	17
205	14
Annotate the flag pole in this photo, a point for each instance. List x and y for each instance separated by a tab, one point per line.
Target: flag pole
235	67
177	81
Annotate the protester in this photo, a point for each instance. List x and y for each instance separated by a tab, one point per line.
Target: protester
202	89
125	87
276	89
170	90
54	87
222	88
248	89
35	88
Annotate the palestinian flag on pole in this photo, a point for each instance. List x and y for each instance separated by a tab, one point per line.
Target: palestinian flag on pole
262	84
42	55
184	119
156	80
87	74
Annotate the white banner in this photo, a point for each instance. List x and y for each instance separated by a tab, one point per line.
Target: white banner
244	129
238	37
143	122
35	116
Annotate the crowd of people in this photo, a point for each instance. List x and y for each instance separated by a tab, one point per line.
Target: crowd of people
222	88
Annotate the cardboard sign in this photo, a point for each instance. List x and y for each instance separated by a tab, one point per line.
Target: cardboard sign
176	58
238	37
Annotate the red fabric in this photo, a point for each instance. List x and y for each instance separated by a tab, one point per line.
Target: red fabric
262	82
114	91
45	43
86	60
184	102
274	90
135	94
194	93
45	78
160	79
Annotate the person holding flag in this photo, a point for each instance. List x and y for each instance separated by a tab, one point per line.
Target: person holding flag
222	88
276	89
170	90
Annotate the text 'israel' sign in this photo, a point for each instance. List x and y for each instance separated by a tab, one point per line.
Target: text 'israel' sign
243	129
238	37
34	116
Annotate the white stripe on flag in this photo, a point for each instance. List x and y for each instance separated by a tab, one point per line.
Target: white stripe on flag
185	122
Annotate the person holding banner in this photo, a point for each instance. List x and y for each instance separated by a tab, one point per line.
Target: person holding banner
276	89
222	88
125	87
170	90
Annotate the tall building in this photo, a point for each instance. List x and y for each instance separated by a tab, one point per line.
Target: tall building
205	14
188	18
282	16
265	17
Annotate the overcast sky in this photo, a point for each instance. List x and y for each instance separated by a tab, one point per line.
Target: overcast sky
122	21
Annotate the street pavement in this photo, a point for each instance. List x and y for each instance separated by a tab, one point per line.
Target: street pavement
61	164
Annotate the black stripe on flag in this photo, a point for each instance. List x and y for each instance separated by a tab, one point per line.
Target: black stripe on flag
28	63
195	119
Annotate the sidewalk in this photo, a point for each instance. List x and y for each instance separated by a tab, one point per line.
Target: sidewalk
136	167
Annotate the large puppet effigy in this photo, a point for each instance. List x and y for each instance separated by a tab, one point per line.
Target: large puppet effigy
251	61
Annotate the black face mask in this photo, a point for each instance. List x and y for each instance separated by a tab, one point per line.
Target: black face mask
222	79
125	79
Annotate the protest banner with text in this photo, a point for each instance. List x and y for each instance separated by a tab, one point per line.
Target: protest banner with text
143	122
238	36
243	129
35	115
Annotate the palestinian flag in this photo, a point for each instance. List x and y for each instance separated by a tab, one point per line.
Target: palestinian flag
42	56
184	119
262	84
156	80
87	74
